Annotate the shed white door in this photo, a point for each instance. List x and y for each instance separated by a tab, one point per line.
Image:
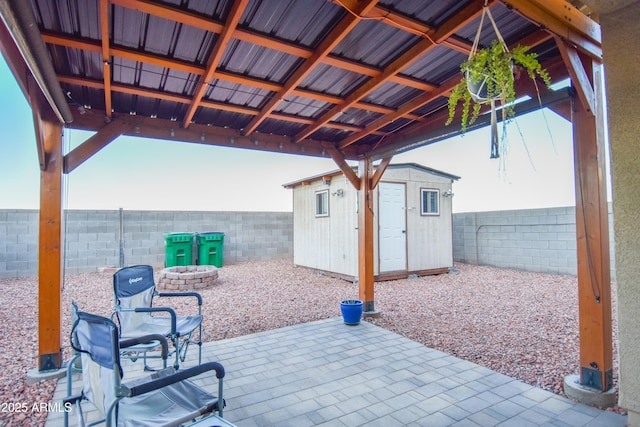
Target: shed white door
392	240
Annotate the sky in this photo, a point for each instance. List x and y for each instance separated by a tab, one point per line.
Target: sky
146	174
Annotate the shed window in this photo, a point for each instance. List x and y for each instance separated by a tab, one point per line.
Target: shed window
322	203
430	202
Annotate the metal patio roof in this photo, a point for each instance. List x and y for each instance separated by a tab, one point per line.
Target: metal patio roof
313	77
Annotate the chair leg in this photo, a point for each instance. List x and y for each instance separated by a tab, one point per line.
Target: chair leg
200	344
176	347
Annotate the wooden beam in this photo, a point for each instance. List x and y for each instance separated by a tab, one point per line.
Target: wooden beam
564	20
562	109
338	158
50	247
171	13
365	236
579	77
36	102
106	56
159	128
377	176
95	143
592	234
214	58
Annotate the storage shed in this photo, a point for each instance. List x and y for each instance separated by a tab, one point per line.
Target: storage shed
413	223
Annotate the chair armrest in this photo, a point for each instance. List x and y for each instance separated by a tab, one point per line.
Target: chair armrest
177	377
169	310
182	294
148	339
71	399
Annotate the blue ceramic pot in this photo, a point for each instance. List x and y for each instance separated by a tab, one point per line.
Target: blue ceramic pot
351	311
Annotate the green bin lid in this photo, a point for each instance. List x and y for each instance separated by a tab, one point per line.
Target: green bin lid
178	237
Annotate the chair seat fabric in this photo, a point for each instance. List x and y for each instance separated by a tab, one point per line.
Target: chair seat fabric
181	400
162	325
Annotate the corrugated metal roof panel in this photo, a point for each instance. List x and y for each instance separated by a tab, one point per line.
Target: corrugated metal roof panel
334	81
392	95
280	127
258	61
77	18
329	134
216	9
301	106
225	119
236	94
357	117
83	96
74	62
509	24
300	21
374	43
432	12
435	66
431	107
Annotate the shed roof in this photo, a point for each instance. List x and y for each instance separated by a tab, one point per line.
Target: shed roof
338	172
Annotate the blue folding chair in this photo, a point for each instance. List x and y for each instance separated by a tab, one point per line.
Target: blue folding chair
166	397
134	289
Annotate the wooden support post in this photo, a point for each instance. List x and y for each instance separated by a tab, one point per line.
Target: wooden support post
365	235
50	246
592	227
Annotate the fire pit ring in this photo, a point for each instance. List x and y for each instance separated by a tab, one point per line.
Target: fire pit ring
187	278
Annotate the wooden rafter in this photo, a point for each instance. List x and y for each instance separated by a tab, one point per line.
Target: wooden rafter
339	32
63	40
106	56
197	21
214	58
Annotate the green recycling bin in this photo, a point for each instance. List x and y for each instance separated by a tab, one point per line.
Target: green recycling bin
210	248
178	249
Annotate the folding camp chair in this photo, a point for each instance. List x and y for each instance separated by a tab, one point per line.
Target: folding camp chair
166	397
134	289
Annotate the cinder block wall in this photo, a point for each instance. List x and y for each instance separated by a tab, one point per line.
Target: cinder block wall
538	240
92	237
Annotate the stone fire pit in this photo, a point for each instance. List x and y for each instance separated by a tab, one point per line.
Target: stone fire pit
187	278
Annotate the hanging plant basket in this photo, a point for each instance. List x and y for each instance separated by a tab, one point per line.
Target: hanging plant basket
478	90
488	78
479	87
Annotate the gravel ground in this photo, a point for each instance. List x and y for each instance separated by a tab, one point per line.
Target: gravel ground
524	325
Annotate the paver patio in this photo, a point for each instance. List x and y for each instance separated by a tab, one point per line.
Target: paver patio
325	373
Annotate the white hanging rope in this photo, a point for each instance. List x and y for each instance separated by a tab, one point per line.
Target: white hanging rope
486	11
495	142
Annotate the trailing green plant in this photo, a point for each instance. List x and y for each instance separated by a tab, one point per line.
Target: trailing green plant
497	65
